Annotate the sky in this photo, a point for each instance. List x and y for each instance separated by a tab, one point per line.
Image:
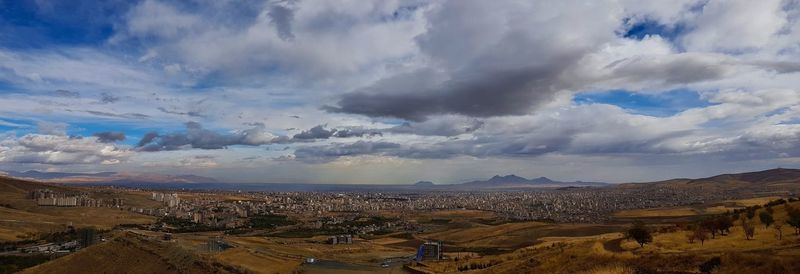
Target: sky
394	92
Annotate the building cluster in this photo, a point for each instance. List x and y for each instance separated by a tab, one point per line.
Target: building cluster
340	239
592	205
345	212
48	197
170	200
85	238
51	247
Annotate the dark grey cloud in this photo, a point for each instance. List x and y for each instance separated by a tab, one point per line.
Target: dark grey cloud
482	65
669	70
320	132
187	113
327	153
107	98
116	115
147	138
109	136
477	94
439	126
317	132
356	132
197	137
282	18
67	93
778	66
443	150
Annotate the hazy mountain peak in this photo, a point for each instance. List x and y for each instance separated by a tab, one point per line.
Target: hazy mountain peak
507	179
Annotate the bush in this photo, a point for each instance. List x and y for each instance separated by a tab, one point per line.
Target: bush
640	234
766	219
710	265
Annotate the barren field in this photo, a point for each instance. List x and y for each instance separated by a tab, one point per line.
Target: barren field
656	212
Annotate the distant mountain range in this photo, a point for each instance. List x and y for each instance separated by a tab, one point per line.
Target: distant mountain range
150	180
119	178
780	179
514	181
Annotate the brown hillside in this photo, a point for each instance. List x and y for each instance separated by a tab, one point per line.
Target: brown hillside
130	253
758	177
11	186
775	181
20	217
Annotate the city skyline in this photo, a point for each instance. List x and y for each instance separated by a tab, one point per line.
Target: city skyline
394	92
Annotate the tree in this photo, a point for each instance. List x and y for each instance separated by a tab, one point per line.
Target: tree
750	213
766	219
749	229
794	219
710	225
723	223
777	228
700	234
640	234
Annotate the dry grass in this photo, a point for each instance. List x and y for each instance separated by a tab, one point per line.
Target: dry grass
128	254
670	252
257	262
27	217
656	212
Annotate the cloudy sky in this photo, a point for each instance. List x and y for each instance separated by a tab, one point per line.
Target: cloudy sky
400	91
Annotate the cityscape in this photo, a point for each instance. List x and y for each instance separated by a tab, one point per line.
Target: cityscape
400	136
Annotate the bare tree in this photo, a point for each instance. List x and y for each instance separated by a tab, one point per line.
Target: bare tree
749	230
777	227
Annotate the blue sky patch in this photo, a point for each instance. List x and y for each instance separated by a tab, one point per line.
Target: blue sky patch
662	104
28	24
647	27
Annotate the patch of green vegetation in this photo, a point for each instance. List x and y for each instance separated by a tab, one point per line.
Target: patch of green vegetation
438	221
270	221
307	233
238	231
184	225
382	232
374	220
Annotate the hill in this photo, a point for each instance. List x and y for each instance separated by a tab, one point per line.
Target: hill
670	251
764	177
131	253
779	181
21	217
514	181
